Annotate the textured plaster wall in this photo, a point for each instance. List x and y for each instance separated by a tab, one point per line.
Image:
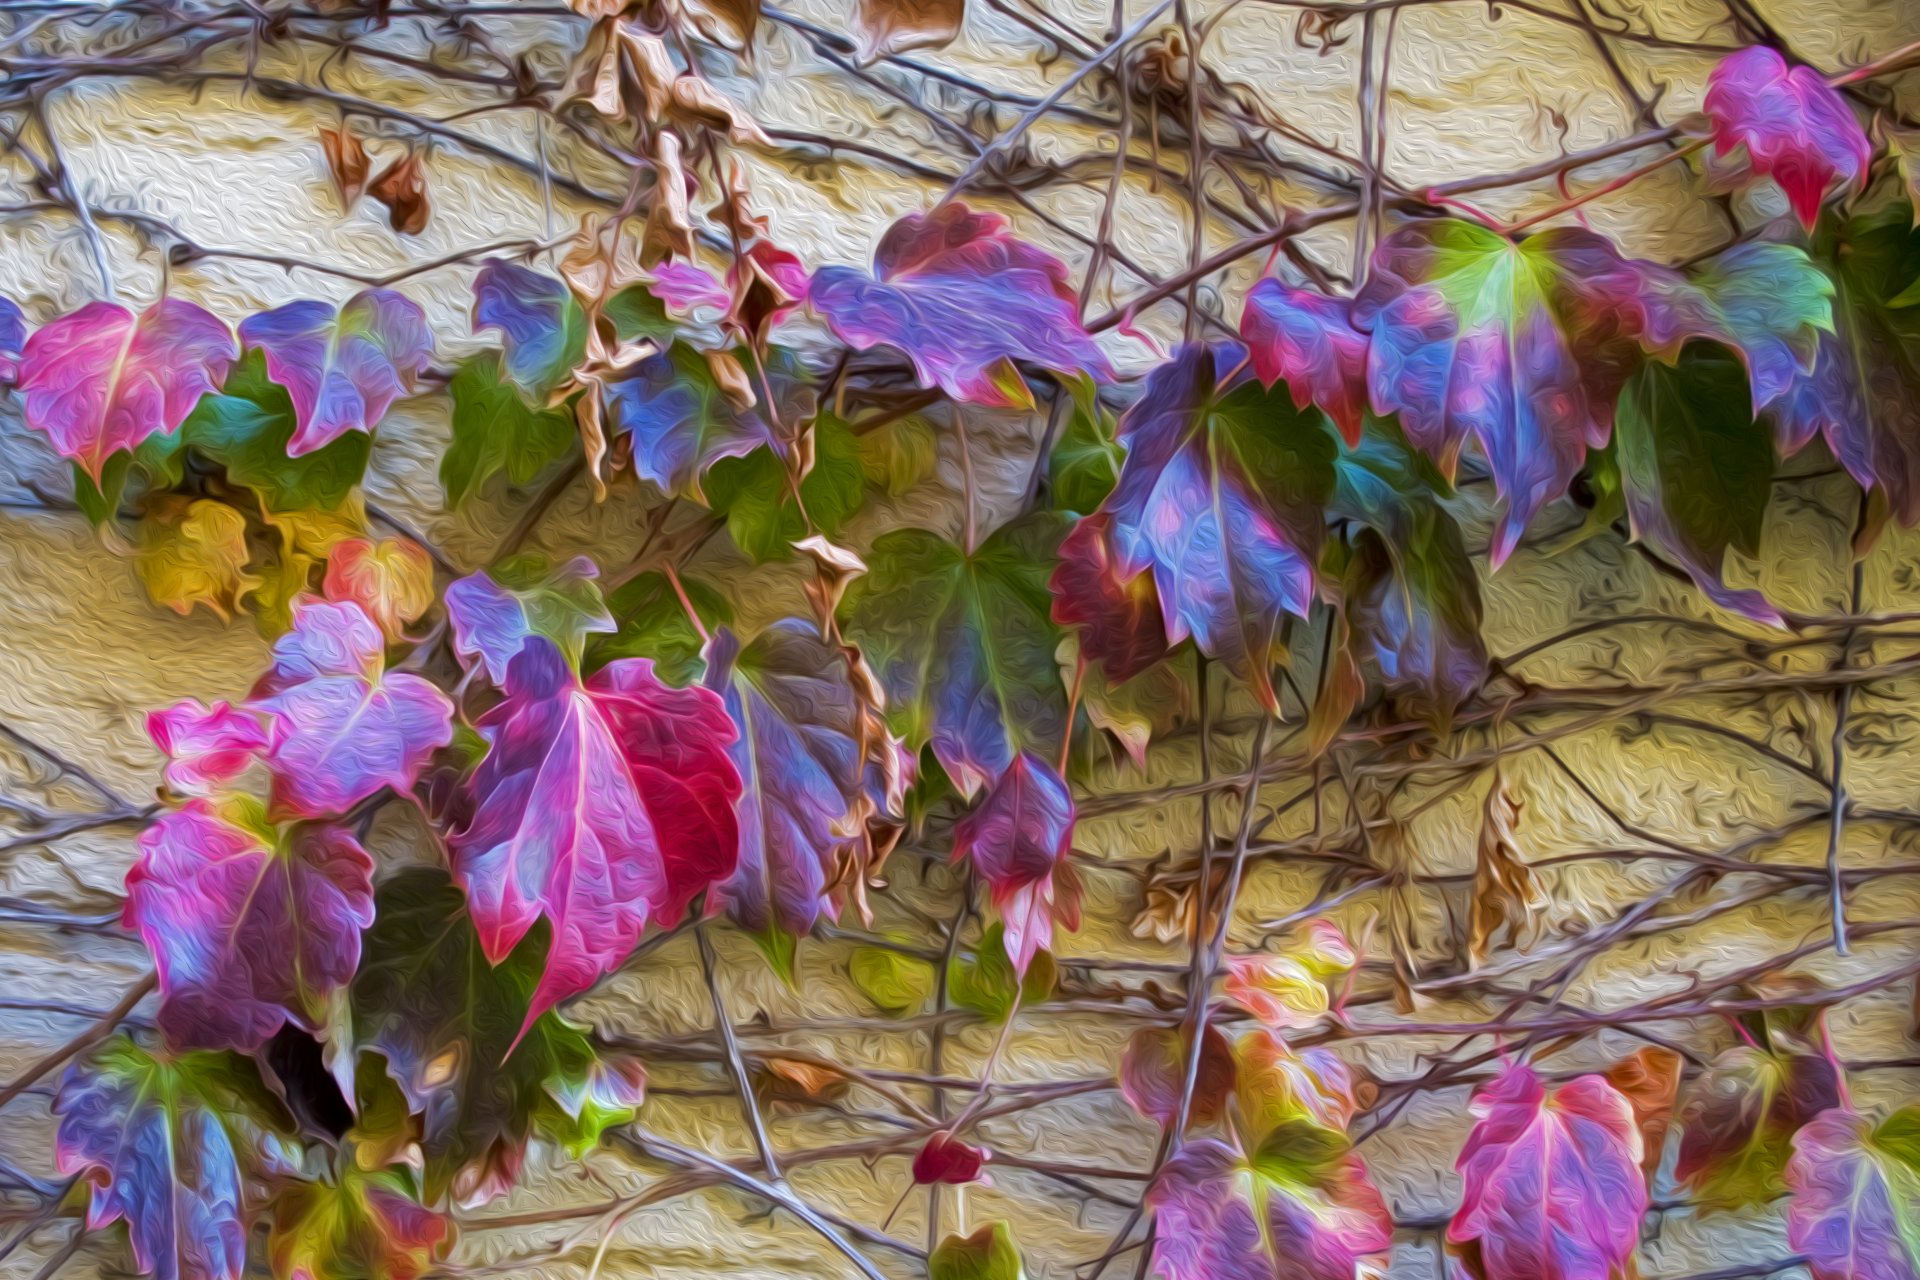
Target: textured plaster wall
83	655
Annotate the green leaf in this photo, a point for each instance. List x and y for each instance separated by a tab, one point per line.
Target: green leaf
637	314
246	429
651	623
899	455
157	463
899	984
1697	470
495	430
754	494
1086	459
984	980
987	1254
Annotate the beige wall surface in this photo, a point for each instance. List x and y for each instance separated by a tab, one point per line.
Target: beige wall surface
229	166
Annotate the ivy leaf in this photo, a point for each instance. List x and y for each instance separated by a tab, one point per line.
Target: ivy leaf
248	429
342	726
946	1159
600	806
1553	1183
756	494
1118	614
963	645
429	999
1222	497
898	984
391	578
962	299
887	27
1696	468
1476	335
790	693
1019	838
1276	1086
361	1225
1738	1117
102	379
494	430
13	337
1864	391
1287	1211
1767	303
650	622
1308	339
176	1147
205	746
1153	1075
1796	128
987	1254
542	328
985	982
190	553
680	420
495	611
1855	1211
342	368
248	926
157	462
1085	463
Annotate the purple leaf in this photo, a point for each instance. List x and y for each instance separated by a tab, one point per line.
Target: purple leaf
1795	127
1153	1075
541	326
600	807
1308	339
1513	344
1554	1189
344	368
1855	1211
342	727
1019	838
493	612
205	746
790	694
1271	1215
13	336
680	420
1222	496
248	927
1118	615
962	299
1767	303
174	1146
103	379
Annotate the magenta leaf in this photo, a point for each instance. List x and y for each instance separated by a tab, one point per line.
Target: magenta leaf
1118	615
1019	837
13	336
790	693
1795	127
177	1147
1300	1207
1222	496
248	926
343	369
600	807
1476	335
342	727
493	612
962	299
1855	1211
947	1159
205	746
1554	1189
542	328
103	379
1307	339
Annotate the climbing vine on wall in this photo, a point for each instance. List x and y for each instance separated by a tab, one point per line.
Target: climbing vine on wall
344	1058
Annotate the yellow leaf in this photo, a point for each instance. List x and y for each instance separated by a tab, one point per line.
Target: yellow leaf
195	555
391	578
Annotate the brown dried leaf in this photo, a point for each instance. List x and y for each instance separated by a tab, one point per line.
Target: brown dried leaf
669	232
402	187
798	1082
1506	893
1341	687
728	23
347	162
1168	901
732	377
598	9
886	27
697	102
1650	1080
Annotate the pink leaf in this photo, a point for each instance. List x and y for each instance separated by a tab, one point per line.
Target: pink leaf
342	368
205	746
1019	839
1856	1196
1795	127
947	1159
343	727
248	928
1554	1189
1308	339
601	806
103	379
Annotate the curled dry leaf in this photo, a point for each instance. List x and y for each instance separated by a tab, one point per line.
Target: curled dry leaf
695	101
348	164
728	23
799	1082
669	231
887	27
1506	893
1650	1081
402	187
